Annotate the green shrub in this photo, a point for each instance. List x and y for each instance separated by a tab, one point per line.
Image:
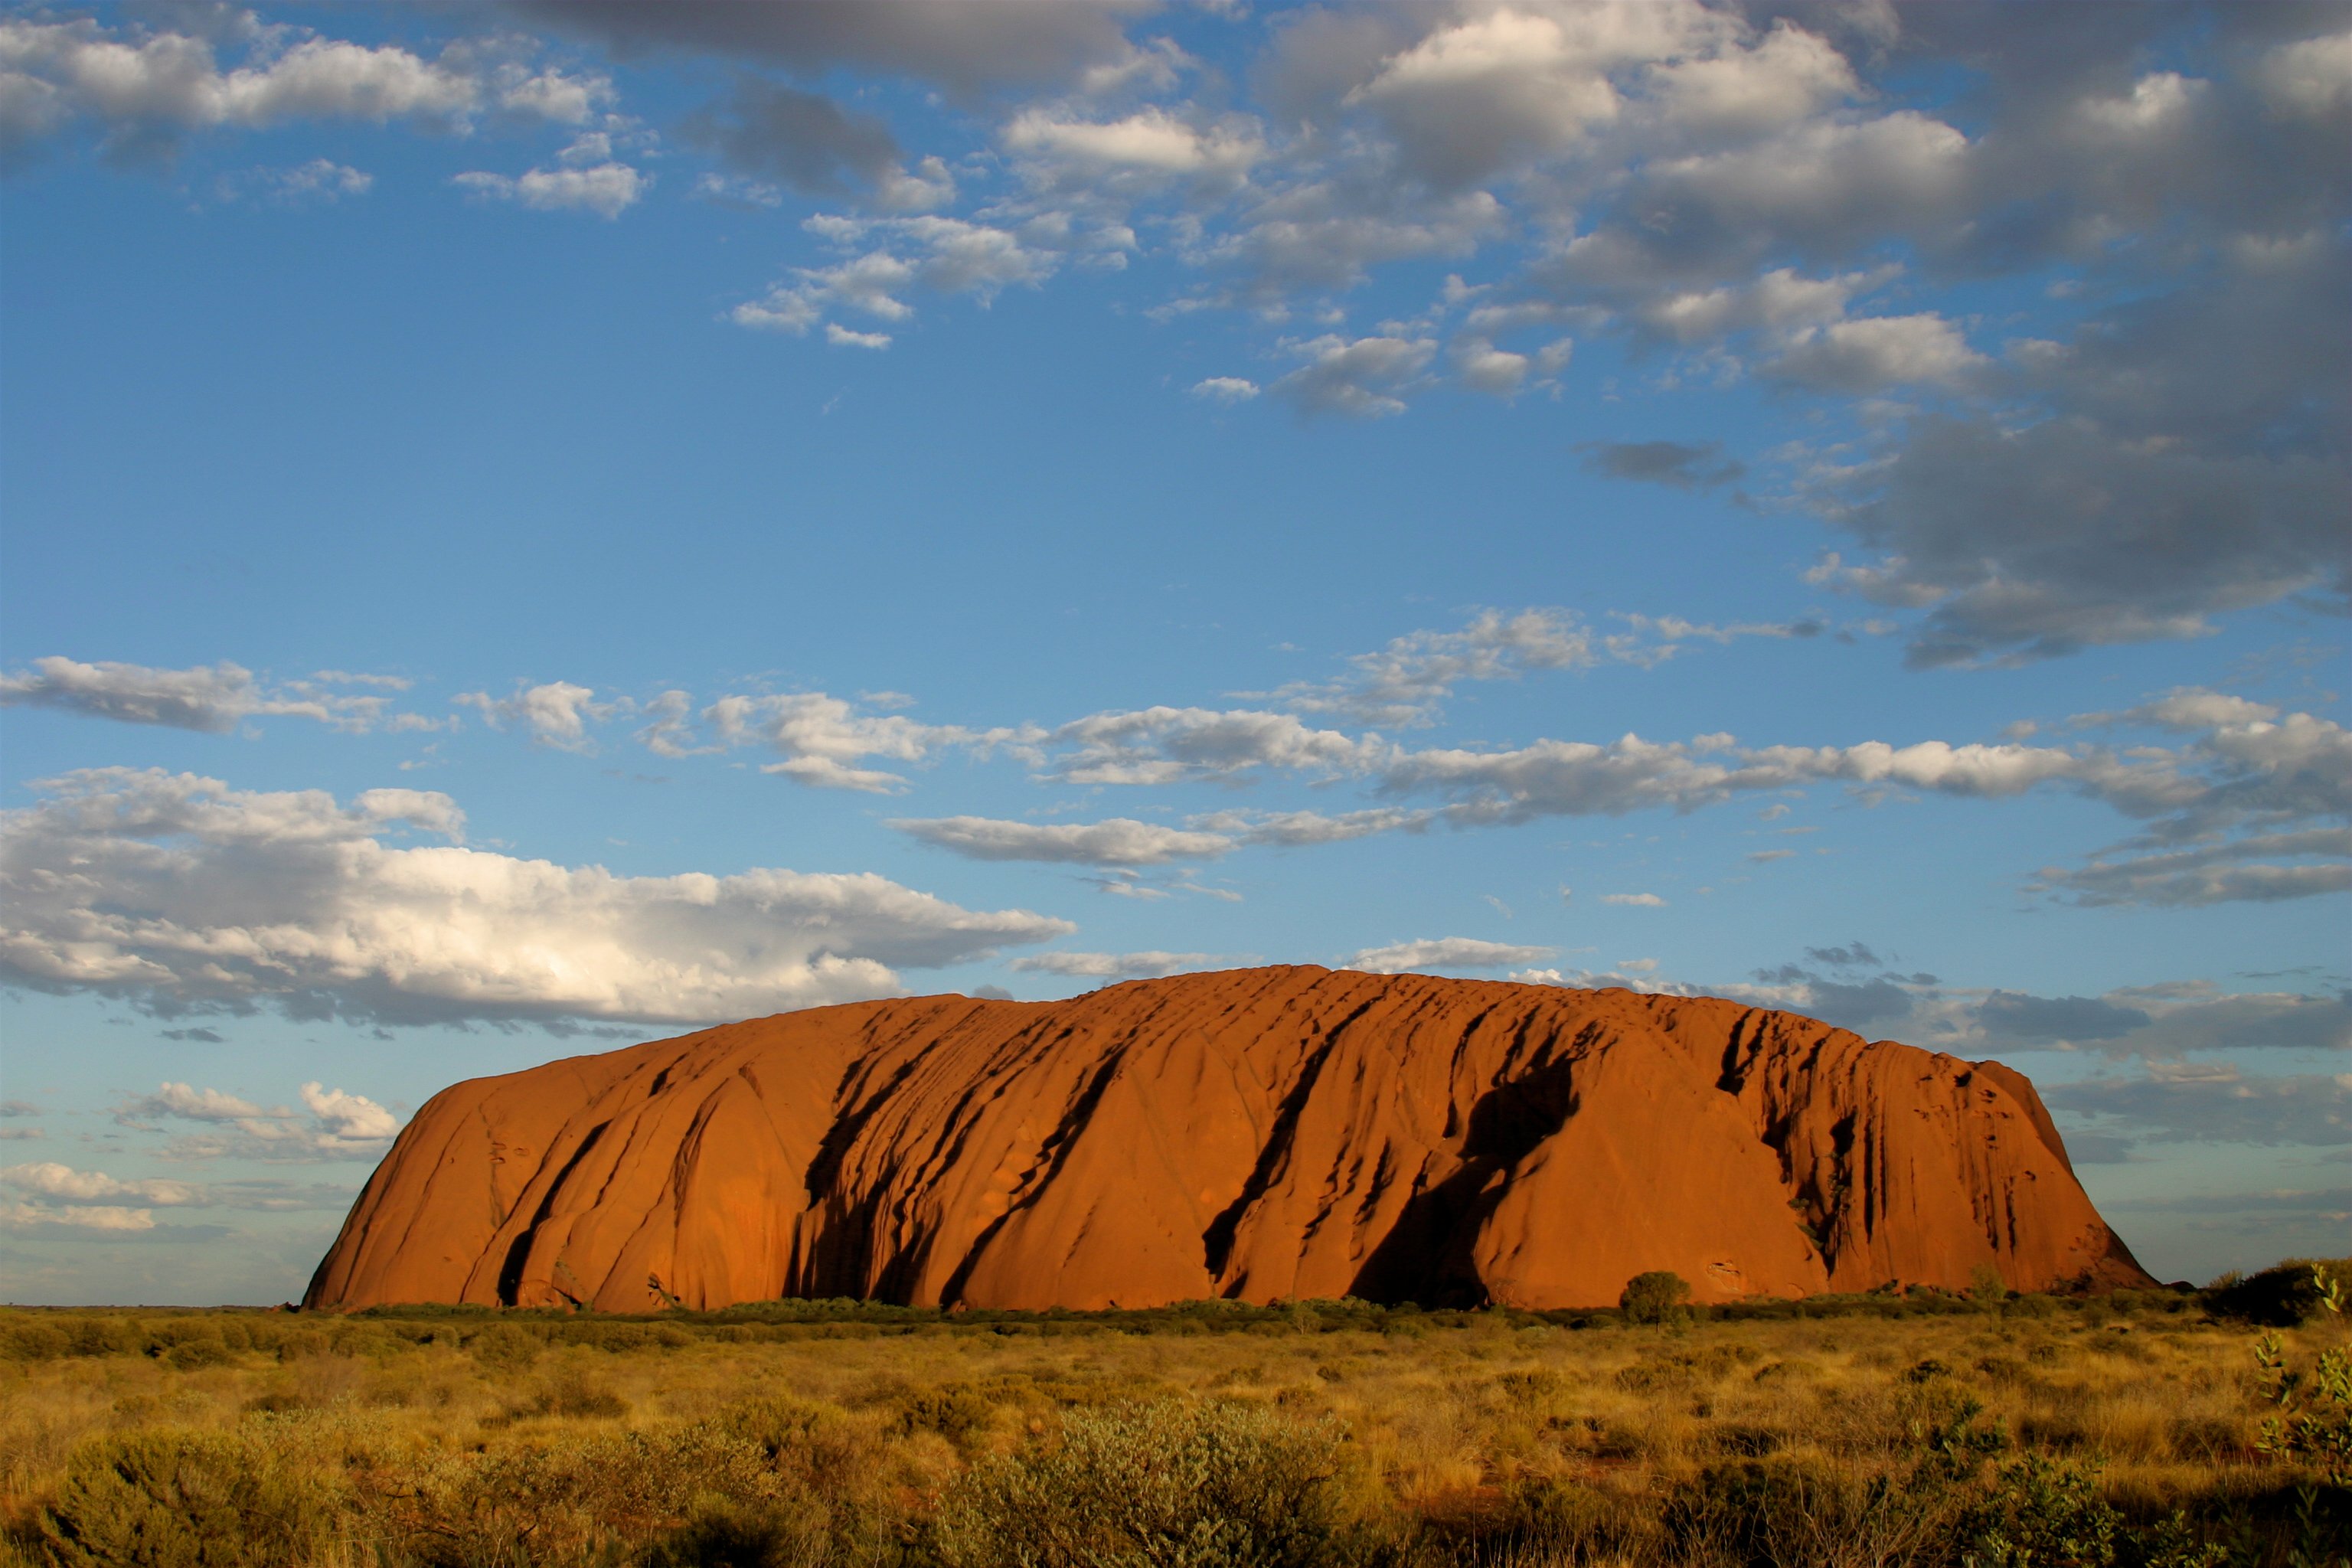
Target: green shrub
2283	1295
1164	1485
1657	1297
2043	1511
572	1500
185	1500
1782	1510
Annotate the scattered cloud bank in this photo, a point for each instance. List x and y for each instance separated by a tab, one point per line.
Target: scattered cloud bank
1443	953
180	894
1737	197
1124	965
2248	801
146	88
213	697
1116	841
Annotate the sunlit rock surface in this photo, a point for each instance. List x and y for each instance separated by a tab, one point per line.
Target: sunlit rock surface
1258	1133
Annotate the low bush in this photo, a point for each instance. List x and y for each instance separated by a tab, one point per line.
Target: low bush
166	1499
1163	1485
2283	1295
1655	1298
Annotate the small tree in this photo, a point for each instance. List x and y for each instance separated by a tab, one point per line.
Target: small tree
1986	1289
1656	1297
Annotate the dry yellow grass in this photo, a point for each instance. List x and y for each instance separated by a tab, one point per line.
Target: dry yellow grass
1461	1437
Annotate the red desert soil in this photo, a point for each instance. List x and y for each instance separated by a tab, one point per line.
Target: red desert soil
1261	1134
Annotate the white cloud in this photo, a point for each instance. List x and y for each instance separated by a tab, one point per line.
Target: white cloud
51	1180
1787	77
605	189
552	95
1875	353
842	337
146	87
557	713
1225	389
1115	841
1487	90
1634	900
2311	78
1162	745
1404	682
1302	828
320	179
101	1217
1358	376
1486	368
823	738
944	255
1118	965
1143	151
192	1104
1443	953
214	697
179	892
340	1125
349	1117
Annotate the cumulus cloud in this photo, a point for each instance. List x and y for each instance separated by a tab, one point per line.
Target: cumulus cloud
942	255
607	189
1362	377
1163	745
556	713
179	893
822	741
101	1218
1443	953
212	697
1147	150
1120	965
334	1125
1474	95
1225	389
50	1179
147	87
1115	841
1875	353
1634	900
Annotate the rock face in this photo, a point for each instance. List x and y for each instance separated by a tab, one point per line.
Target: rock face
1256	1134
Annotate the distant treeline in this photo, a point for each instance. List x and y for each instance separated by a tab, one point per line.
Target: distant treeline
189	1337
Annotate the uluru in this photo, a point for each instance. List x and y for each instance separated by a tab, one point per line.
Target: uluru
1255	1134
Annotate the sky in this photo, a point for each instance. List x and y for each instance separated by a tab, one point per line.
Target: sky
528	527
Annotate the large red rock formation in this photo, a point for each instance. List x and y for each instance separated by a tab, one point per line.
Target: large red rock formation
1256	1134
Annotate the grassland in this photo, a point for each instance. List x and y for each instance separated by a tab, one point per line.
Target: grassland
1925	1430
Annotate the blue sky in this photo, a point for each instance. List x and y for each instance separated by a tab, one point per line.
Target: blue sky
532	527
